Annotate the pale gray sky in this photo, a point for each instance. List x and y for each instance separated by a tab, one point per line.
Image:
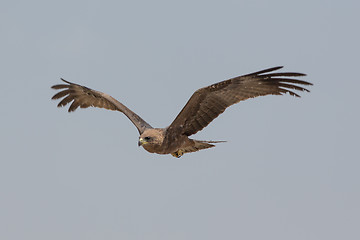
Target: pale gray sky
290	168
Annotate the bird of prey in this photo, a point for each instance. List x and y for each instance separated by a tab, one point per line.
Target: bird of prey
203	106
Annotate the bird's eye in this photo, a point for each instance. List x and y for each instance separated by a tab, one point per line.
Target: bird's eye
147	138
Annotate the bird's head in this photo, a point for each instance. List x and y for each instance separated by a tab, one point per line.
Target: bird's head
151	138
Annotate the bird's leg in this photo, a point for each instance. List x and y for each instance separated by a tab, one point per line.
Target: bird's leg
178	153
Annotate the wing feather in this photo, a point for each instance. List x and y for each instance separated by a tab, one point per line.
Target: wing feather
83	97
208	103
66	100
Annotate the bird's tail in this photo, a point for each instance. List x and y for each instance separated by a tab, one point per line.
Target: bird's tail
199	145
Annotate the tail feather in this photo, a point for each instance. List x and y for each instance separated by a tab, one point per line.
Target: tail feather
199	145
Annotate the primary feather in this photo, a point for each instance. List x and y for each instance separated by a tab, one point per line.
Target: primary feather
83	97
209	102
204	106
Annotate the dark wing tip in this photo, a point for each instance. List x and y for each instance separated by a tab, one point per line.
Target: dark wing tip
58	95
272	69
66	81
59	86
265	71
294	94
285	83
283	74
275	68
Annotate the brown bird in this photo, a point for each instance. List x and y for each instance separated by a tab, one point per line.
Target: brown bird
204	106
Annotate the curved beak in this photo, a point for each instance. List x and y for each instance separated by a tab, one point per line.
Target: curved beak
140	142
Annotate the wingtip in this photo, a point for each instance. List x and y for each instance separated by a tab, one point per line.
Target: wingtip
265	70
60	86
65	81
274	68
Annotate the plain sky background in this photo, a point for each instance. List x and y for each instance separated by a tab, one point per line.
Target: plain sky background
290	168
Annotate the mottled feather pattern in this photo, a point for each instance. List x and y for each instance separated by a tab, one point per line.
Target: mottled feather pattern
83	97
209	102
202	108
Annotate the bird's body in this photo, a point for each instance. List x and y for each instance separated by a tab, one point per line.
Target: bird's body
154	140
203	106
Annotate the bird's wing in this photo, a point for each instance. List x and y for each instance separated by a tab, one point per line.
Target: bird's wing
84	97
209	102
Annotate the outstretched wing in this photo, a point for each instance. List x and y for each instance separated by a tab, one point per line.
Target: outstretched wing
209	102
84	97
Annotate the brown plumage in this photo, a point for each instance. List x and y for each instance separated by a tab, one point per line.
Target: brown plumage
204	106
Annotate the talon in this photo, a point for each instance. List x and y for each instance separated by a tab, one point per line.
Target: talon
178	154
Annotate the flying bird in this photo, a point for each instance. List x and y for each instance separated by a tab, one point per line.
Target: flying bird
203	106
